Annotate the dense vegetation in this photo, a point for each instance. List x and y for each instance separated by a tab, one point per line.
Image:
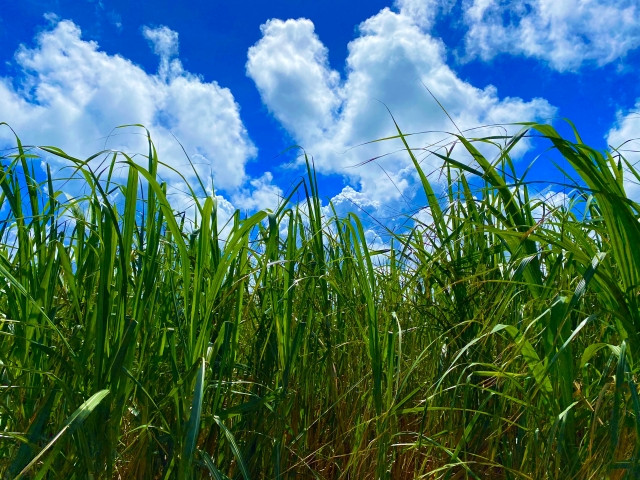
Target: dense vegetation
498	340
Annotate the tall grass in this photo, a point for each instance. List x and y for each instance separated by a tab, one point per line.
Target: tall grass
497	341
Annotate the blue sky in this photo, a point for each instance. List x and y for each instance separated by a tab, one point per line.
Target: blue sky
238	83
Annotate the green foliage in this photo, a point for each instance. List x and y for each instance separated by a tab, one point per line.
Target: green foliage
499	340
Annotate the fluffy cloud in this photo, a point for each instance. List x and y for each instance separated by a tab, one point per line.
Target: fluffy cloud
349	196
624	136
387	66
164	42
565	33
291	69
261	194
423	12
70	94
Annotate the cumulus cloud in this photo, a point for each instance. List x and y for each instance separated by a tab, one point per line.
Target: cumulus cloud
70	94
387	66
350	197
567	33
291	69
261	193
423	12
624	136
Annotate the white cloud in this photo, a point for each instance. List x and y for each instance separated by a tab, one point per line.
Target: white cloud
624	136
545	201
291	70
565	33
261	194
350	197
423	12
388	62
163	40
164	43
70	94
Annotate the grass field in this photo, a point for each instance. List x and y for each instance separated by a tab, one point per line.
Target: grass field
498	340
